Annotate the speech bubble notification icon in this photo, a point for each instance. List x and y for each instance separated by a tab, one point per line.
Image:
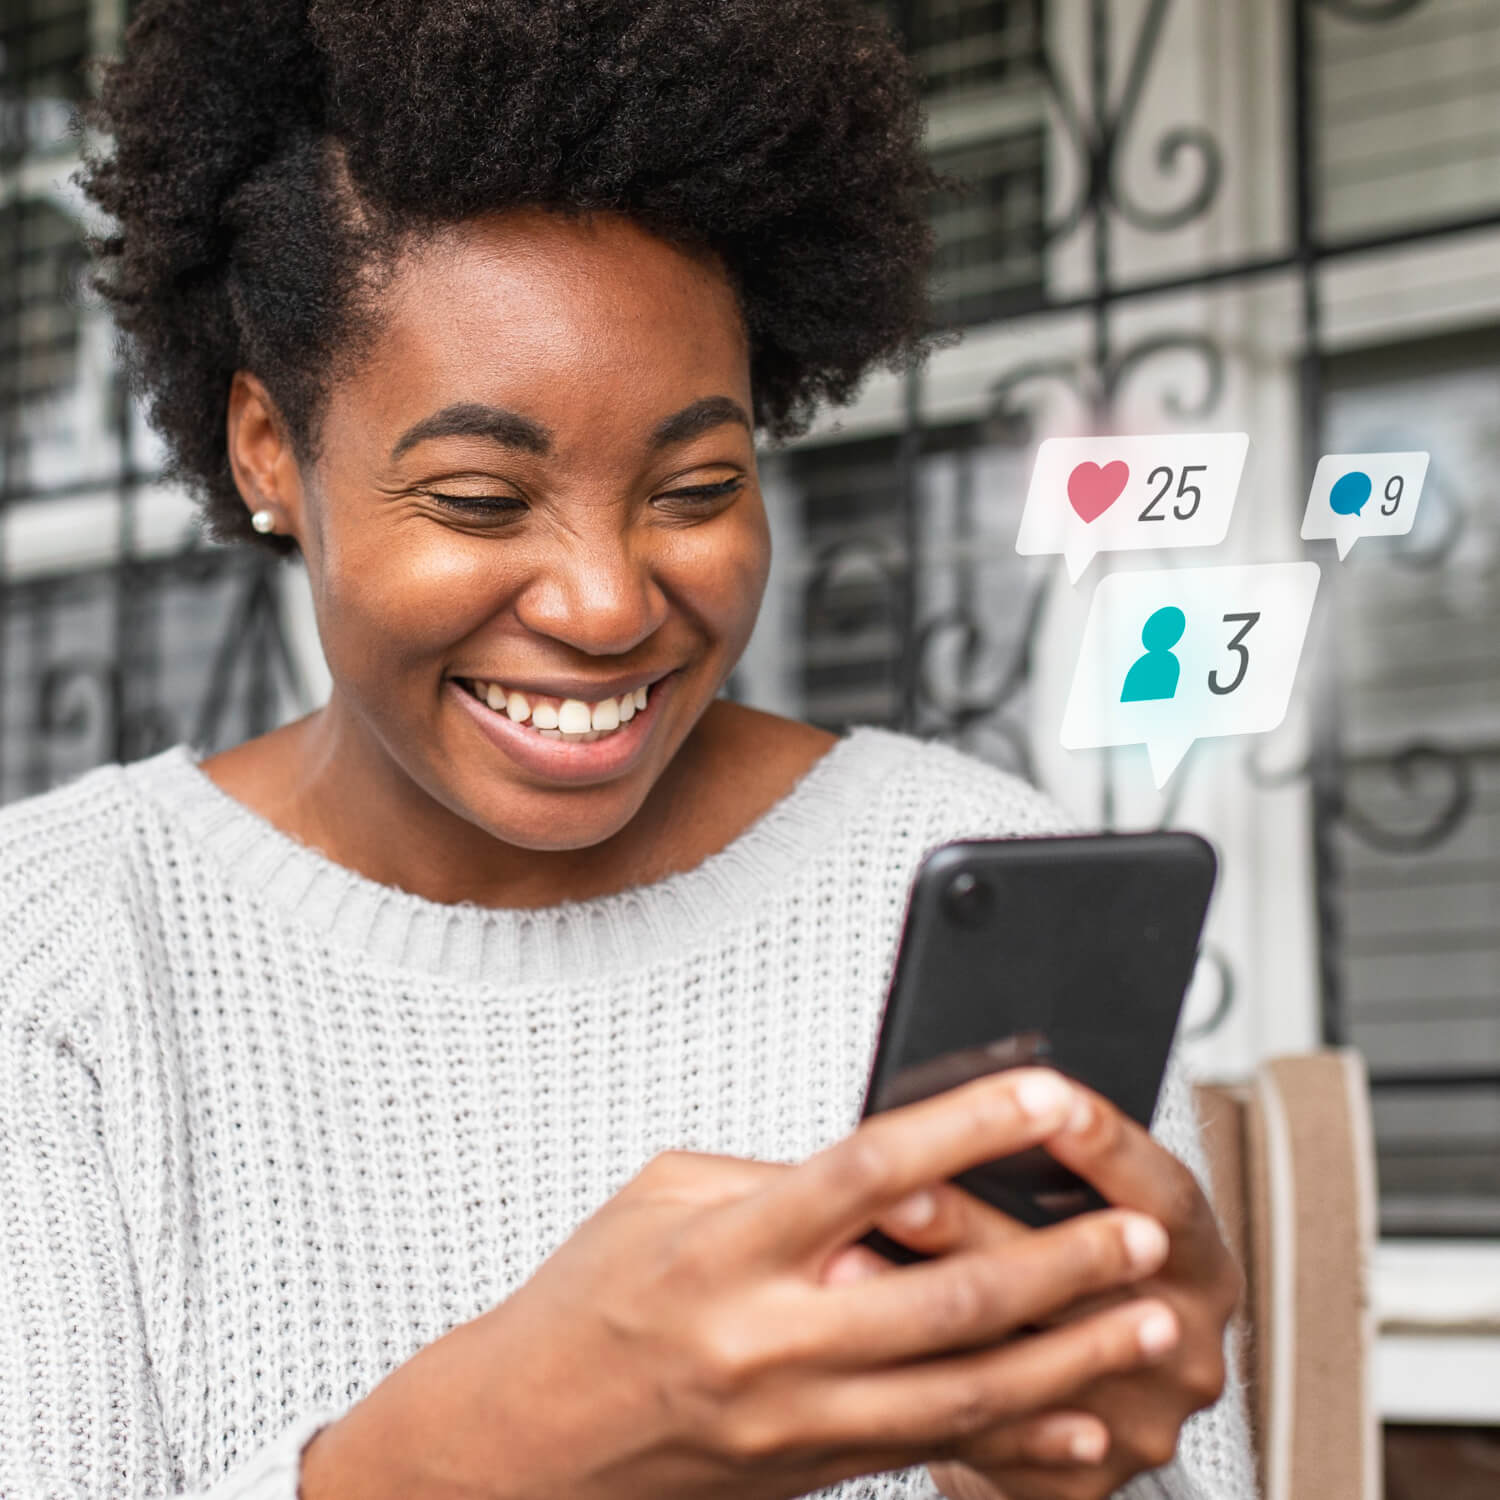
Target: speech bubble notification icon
1363	494
1179	654
1349	493
1111	494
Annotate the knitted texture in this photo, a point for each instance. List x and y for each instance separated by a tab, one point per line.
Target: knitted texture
267	1128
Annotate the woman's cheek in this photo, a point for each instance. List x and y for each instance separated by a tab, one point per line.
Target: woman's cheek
726	569
406	598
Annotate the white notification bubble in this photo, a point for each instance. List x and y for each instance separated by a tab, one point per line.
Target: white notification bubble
1112	494
1363	494
1179	654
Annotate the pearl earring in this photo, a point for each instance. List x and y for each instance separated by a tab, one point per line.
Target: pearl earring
263	521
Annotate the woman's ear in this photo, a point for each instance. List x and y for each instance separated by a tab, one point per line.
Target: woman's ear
261	458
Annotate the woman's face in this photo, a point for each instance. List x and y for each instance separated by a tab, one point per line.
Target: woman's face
538	491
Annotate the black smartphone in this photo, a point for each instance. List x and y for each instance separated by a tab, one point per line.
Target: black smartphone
1074	952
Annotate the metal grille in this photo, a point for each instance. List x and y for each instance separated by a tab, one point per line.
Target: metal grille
124	632
961	46
989	244
851	497
920	614
1420	846
38	324
120	631
1406	115
42	47
202	660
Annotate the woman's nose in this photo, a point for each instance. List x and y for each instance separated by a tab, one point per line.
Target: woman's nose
603	599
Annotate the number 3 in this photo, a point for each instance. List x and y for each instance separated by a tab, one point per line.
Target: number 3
1243	652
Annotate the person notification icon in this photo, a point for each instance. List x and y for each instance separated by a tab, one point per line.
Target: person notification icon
1155	674
1178	654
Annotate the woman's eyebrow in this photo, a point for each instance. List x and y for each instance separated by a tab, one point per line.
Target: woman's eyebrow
474	419
512	430
698	416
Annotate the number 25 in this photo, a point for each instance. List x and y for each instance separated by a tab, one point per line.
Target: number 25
1184	489
1241	651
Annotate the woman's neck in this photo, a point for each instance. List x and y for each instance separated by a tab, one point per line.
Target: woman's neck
326	782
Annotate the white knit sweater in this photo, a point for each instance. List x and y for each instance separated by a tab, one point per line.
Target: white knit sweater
267	1127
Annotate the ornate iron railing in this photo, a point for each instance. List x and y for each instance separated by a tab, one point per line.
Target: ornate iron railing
189	644
1095	130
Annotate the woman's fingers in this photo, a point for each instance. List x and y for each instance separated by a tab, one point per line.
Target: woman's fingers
961	1221
971	1297
1057	1439
705	1177
1131	1169
1105	1147
932	1407
838	1193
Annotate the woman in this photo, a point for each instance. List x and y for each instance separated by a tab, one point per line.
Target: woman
453	1093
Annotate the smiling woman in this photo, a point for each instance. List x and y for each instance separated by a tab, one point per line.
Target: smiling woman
541	476
455	1092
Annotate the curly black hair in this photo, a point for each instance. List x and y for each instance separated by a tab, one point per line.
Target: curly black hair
269	157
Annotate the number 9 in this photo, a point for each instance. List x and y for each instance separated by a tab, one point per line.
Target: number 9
1393	496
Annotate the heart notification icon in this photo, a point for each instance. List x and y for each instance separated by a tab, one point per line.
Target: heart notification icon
1126	491
1092	490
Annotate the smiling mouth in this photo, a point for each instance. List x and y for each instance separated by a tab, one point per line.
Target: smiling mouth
559	718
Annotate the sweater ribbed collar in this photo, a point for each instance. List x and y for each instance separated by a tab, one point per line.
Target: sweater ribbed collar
662	920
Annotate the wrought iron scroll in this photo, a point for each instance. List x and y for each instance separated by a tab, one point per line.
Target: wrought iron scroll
101	705
1097	140
1404	767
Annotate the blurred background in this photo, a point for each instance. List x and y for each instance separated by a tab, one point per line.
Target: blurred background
1273	216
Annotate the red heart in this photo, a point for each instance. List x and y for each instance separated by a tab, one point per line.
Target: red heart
1093	490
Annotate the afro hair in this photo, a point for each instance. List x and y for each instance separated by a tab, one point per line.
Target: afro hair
268	157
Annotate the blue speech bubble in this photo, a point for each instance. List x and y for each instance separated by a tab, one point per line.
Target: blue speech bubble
1349	493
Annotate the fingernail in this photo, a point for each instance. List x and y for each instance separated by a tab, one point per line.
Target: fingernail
1157	1331
1145	1242
1087	1445
849	1267
915	1211
1081	1116
1042	1095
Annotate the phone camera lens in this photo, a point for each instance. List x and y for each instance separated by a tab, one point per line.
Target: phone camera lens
968	899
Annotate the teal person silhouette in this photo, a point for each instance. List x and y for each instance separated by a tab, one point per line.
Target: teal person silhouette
1155	674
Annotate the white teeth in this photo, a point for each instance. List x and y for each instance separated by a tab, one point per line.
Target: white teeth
573	717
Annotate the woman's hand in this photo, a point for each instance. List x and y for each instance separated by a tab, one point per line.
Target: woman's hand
685	1341
1123	1424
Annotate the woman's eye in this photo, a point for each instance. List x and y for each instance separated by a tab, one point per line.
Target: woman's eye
480	506
703	494
503	507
